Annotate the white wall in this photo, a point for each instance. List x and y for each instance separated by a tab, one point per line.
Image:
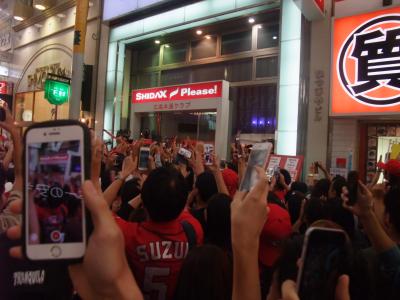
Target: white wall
344	139
56	37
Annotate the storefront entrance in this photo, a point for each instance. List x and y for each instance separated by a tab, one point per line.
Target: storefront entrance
200	111
196	125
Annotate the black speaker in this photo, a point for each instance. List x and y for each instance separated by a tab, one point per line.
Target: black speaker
86	93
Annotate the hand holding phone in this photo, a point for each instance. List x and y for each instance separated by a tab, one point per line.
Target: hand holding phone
208	154
56	163
144	154
323	258
258	157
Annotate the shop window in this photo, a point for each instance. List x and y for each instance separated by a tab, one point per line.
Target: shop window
268	36
255	108
239	70
267	67
43	110
145	80
149	57
176	76
236	42
204	48
24	107
208	73
174	53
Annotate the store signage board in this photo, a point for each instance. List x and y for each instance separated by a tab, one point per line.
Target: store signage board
293	164
188	92
57	89
366	64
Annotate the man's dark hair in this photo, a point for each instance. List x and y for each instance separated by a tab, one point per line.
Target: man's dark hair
206	185
337	184
321	188
392	207
219	221
164	194
128	191
287	178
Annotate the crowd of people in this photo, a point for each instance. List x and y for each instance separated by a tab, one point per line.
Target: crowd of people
182	229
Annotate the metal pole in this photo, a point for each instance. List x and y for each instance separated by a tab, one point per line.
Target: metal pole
82	8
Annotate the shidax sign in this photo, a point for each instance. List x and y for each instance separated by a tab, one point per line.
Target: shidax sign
368	62
174	93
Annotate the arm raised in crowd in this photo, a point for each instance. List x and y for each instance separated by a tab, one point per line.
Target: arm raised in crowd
222	189
248	215
110	279
128	166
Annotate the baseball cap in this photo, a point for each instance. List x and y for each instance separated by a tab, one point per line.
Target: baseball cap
277	229
392	166
231	180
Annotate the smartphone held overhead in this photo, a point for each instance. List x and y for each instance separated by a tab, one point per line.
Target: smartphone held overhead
258	157
144	154
56	164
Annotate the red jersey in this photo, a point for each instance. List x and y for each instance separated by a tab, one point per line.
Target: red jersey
155	252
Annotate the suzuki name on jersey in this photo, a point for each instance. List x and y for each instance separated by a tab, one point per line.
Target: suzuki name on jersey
161	250
182	92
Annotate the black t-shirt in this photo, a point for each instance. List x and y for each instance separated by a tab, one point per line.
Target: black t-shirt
22	279
199	214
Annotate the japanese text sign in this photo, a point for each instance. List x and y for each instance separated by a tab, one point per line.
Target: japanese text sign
366	64
196	91
293	164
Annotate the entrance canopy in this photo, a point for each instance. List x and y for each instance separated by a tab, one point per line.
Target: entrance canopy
205	96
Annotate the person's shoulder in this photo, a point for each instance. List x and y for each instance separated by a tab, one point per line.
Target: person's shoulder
188	217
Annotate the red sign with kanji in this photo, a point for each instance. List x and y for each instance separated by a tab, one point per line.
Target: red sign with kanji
195	91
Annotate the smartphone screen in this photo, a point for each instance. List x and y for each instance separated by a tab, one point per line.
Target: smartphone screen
323	258
54	205
144	158
208	152
258	157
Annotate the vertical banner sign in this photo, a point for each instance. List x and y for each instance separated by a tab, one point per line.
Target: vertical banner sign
366	64
82	8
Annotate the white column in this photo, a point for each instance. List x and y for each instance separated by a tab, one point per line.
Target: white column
222	126
289	80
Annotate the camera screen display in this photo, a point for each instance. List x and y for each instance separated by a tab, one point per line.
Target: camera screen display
54	192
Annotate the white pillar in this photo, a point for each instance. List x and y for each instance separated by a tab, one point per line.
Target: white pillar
289	80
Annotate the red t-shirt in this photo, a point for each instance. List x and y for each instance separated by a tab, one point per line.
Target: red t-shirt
155	252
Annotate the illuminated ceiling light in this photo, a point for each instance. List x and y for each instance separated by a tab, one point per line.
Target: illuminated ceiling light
43	4
90	3
40	7
274	37
251	20
61	16
166	46
157	42
259	26
199	32
22	11
208	37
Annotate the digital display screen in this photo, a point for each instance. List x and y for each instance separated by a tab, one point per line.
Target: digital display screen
54	192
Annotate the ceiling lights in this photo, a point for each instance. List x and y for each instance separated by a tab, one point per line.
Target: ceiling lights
199	32
251	20
22	11
157	42
208	37
43	4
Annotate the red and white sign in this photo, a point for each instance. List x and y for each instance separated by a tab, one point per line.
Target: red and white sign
6	88
293	164
196	91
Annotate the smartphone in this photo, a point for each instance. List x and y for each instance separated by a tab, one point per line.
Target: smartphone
157	160
144	154
56	163
352	187
277	174
323	258
258	157
2	114
238	145
270	173
208	152
184	152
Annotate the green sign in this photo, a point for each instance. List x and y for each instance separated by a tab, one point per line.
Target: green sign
56	92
